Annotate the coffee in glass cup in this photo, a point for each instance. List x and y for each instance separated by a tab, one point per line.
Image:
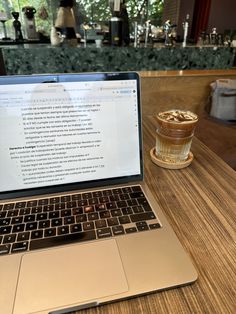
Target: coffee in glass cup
174	133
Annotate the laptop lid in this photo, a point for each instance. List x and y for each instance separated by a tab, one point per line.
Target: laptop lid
68	131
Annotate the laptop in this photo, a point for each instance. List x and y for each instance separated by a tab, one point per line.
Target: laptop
78	225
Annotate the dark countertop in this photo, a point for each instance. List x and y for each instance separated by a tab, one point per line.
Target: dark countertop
43	58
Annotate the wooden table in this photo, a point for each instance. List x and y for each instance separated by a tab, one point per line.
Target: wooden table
200	204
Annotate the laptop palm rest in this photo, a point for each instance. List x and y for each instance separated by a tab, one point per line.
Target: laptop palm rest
66	276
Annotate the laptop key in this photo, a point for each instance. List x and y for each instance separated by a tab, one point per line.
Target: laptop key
10	238
137	209
19	247
5	230
89	209
48	208
131	230
60	206
5	221
93	216
5	249
132	202
136	188
142	226
75	228
112	221
114	198
42	216
62	240
97	193
86	196
50	232
17	220
8	206
43	201
65	198
104	199
63	230
18	228
147	207
66	213
127	211
24	211
93	201
44	224
77	211
124	220
54	214
124	196
142	201
22	236
56	222
13	213
155	226
71	204
121	204
81	218
82	203
101	223
107	192
116	212
100	207
142	217
69	220
105	214
104	233
127	189
117	191
118	230
54	200
20	205
136	194
111	205
31	226
32	203
88	225
3	214
76	197
36	234
29	218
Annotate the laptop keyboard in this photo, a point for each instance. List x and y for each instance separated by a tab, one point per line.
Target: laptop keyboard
59	220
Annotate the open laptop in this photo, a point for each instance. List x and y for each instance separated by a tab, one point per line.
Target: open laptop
78	226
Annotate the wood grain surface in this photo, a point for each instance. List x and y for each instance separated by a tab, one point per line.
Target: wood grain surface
200	204
163	90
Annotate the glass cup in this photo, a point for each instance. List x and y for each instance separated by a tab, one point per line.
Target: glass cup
98	43
174	133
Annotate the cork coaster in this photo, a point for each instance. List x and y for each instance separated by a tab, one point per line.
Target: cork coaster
169	165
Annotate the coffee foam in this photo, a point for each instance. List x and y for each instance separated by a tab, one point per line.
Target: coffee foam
177	116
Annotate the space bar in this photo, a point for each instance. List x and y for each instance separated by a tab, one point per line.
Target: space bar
62	240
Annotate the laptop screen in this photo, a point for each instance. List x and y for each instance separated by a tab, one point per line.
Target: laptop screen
59	132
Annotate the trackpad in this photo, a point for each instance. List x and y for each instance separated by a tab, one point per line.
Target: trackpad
64	277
